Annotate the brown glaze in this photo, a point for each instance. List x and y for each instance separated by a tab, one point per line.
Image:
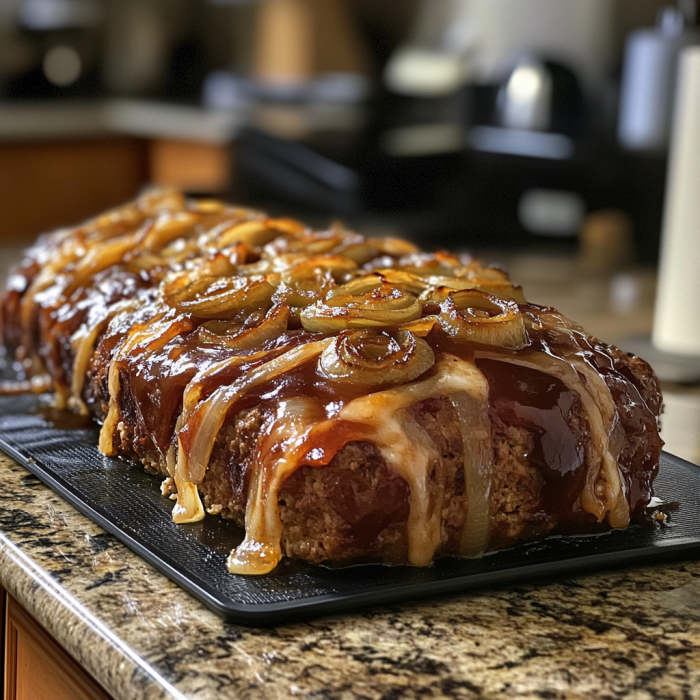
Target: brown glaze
228	264
377	500
528	399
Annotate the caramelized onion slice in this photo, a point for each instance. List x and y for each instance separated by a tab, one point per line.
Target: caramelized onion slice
83	345
334	241
501	288
221	297
338	265
475	429
185	286
289	226
475	270
303	292
428	264
440	288
358	286
366	358
394	247
100	257
199	431
405	281
310	280
421	326
382	305
481	318
208	206
168	228
252	233
247	336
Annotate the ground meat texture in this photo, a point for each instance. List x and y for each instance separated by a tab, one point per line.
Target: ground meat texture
355	508
224	488
516	488
439	419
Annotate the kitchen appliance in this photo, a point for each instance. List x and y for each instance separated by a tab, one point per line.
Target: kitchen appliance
649	78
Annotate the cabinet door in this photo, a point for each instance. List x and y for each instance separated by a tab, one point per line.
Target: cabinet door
36	667
45	184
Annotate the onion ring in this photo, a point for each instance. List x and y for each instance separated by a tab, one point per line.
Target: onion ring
374	303
220	297
253	333
366	358
482	318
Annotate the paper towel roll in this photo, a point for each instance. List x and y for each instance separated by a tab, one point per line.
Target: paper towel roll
677	314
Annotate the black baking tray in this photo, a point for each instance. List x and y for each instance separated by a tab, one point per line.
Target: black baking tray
127	502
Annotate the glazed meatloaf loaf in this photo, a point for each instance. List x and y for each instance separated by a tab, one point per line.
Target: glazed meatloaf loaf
344	399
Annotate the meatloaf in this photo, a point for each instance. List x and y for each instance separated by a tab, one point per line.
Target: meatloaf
343	398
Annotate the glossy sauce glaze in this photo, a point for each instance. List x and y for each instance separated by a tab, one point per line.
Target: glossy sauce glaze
541	404
168	319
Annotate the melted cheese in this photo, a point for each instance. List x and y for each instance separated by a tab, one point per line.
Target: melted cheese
83	344
221	242
407	449
206	420
275	460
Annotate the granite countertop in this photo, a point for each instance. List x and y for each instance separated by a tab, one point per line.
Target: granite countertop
626	633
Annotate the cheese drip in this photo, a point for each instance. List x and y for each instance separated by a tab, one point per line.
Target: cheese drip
245	283
199	429
188	507
381	418
83	345
142	339
409	452
276	459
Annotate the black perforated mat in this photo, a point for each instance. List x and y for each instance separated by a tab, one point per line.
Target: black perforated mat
127	502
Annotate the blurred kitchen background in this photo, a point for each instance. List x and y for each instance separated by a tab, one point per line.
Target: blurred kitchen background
533	132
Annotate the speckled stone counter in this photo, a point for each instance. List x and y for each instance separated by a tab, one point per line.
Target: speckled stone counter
632	633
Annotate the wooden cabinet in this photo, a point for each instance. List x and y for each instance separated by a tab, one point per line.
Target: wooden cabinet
57	183
46	184
35	666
